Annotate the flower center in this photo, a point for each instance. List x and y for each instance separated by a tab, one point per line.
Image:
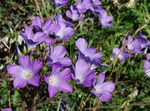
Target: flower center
27	74
98	89
80	78
53	80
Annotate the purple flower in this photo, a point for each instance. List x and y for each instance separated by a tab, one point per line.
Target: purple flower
96	2
60	19
121	55
58	80
105	19
83	5
57	55
89	54
32	39
7	109
136	45
60	3
48	27
26	72
65	32
84	73
74	14
102	90
147	67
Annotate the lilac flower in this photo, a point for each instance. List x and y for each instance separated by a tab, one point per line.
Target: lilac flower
48	27
84	74
57	80
7	109
74	14
60	19
102	90
96	2
83	5
89	54
64	33
105	19
26	72
136	45
60	3
32	39
121	55
57	55
147	67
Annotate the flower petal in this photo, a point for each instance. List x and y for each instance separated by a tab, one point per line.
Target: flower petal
101	78
34	81
52	91
24	61
66	61
105	96
81	44
36	66
65	86
19	83
15	70
66	74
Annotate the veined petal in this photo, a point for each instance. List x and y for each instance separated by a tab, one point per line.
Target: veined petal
15	70
81	67
24	61
108	86
101	78
36	21
36	66
19	83
52	91
66	74
66	61
105	96
34	81
81	44
59	51
65	86
29	32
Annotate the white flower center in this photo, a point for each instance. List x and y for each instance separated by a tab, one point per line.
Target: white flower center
148	73
53	80
98	89
130	47
80	78
27	74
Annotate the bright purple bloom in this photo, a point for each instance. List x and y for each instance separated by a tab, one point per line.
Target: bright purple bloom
74	14
7	109
136	45
96	2
102	90
65	32
60	19
32	39
121	55
58	80
105	19
48	27
147	67
89	54
57	55
83	5
60	3
84	73
26	72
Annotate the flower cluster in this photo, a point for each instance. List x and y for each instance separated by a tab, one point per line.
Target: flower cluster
77	12
133	47
61	69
